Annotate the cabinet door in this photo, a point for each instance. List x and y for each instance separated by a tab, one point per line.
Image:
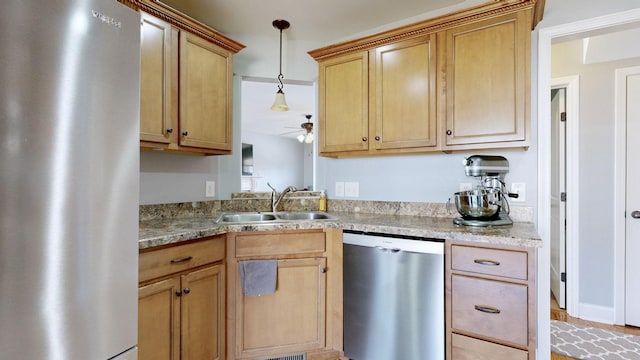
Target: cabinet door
291	319
159	320
158	80
205	94
405	78
343	93
487	80
202	311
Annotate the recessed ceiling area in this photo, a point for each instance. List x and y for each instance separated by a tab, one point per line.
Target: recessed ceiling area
321	21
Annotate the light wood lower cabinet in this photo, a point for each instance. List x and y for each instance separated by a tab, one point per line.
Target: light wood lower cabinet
490	301
304	314
181	309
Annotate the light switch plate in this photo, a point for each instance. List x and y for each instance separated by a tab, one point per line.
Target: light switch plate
352	189
339	189
210	188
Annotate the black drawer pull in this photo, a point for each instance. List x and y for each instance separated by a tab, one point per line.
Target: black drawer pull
486	262
186	258
487	309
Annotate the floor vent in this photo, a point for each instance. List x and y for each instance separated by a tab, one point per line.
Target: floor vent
301	356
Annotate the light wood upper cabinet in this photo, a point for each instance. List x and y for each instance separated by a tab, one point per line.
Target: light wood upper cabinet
404	98
487	82
344	103
206	77
158	81
186	89
460	81
379	101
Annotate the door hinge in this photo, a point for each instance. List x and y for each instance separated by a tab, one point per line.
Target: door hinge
563	116
563	277
563	196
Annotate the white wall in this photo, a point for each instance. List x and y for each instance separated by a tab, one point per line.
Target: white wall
171	178
418	178
284	169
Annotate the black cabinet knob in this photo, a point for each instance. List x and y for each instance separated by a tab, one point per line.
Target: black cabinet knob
378	138
449	132
186	290
185	133
169	130
364	138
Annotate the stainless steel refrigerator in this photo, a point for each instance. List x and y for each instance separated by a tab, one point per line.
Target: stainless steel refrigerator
69	168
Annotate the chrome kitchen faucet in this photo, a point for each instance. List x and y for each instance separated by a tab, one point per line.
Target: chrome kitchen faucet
275	201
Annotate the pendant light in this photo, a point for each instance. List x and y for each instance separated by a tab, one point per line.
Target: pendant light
280	104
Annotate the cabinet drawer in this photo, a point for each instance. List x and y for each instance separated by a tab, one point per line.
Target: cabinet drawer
466	348
490	308
154	264
279	244
506	263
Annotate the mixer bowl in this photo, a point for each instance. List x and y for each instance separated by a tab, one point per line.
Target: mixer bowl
477	204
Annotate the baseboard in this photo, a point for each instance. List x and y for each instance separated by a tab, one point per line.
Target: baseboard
597	313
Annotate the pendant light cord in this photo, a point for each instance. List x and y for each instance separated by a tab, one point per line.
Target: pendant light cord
280	76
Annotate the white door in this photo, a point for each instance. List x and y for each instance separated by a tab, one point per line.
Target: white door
632	221
558	187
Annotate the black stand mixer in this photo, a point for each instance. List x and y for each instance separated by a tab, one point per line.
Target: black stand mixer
487	204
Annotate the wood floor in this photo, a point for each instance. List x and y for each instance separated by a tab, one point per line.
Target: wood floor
560	314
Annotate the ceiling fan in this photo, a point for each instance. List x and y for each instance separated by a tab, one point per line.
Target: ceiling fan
307	127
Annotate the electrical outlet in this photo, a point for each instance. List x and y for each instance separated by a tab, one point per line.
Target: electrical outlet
352	189
520	189
339	189
466	186
209	188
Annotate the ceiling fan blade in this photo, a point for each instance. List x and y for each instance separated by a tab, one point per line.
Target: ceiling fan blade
291	132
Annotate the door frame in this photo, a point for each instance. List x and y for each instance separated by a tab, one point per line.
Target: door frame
572	96
545	38
620	191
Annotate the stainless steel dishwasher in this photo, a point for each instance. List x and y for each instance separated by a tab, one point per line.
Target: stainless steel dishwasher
393	297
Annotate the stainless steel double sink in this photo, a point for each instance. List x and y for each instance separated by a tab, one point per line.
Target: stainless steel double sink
268	217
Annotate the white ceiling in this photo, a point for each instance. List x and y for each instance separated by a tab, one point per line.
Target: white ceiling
320	21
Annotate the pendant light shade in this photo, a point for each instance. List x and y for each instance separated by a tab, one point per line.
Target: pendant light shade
280	104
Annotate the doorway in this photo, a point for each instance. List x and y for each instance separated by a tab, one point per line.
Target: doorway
564	219
545	38
558	195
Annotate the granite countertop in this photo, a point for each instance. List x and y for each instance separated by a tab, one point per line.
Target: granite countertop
167	231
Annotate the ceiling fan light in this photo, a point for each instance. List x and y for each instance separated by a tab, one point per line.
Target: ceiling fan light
280	104
301	138
308	139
